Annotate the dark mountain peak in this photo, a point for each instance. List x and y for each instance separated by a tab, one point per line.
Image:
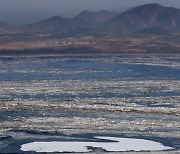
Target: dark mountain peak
54	23
84	13
152	5
146	9
85	16
96	18
91	13
106	13
54	19
146	16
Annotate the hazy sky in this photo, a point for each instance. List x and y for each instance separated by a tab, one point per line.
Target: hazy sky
23	9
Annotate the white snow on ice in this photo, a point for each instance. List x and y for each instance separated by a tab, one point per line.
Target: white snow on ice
119	144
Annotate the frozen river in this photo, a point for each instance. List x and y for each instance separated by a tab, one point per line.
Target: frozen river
75	98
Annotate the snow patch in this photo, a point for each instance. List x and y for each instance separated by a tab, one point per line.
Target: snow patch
117	144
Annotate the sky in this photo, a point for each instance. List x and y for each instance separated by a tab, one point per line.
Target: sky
24	11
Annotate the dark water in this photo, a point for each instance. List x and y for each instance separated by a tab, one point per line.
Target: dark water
86	68
47	68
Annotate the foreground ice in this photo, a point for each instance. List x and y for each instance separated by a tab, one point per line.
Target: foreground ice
118	144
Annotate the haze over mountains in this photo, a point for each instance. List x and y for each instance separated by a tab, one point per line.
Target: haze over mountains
84	20
134	19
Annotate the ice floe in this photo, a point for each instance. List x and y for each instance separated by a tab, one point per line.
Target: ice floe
115	144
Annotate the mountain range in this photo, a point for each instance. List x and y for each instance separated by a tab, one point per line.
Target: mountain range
144	19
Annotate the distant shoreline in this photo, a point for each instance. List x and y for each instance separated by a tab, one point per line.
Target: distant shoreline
75	51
